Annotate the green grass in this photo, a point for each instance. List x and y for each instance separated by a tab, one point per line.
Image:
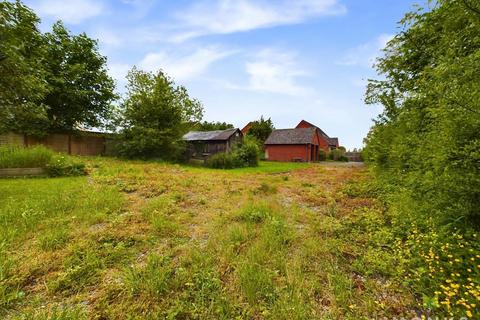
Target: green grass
149	240
19	157
263	167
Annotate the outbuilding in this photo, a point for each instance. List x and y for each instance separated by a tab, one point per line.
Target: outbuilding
202	144
298	144
326	142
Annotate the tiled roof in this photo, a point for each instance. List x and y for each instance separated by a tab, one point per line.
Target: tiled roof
291	136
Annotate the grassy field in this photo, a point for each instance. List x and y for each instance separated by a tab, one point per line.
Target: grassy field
146	240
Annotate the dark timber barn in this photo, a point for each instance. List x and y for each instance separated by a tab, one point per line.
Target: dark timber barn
202	144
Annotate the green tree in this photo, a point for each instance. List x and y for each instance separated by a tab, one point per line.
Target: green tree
155	115
428	137
425	149
81	91
261	129
22	73
211	126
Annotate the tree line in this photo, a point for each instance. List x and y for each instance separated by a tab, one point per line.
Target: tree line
425	149
58	82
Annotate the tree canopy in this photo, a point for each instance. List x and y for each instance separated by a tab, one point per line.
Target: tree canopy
49	82
154	115
81	91
22	72
211	126
261	129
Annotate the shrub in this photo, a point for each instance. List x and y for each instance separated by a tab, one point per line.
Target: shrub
20	157
221	161
336	155
61	166
245	155
248	153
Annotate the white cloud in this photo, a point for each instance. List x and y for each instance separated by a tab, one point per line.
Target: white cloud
229	16
108	37
365	54
184	67
275	72
73	12
118	71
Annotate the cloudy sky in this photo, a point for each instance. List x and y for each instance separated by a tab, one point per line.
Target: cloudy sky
284	59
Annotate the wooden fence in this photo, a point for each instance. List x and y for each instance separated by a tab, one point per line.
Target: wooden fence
82	143
354	156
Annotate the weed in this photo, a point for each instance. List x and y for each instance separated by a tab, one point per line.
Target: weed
265	189
19	157
255	213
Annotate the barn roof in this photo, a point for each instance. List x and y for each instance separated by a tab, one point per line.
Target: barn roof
291	136
333	141
217	135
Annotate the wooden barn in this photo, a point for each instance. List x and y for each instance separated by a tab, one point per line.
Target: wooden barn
202	144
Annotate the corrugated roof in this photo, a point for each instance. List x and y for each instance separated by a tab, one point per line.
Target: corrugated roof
210	135
291	136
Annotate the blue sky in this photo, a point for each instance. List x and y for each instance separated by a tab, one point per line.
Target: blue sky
288	60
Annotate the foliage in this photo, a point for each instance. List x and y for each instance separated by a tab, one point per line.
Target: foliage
443	267
337	155
155	115
425	148
50	82
22	80
261	129
81	91
211	126
246	154
56	165
12	156
223	160
63	166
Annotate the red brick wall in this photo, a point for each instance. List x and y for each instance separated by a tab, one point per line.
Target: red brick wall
321	140
287	153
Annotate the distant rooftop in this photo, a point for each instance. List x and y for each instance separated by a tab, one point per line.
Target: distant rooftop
291	136
217	135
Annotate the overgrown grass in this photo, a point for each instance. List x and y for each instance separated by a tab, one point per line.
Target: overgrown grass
20	157
147	240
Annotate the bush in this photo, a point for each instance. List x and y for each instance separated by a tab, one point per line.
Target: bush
336	155
221	161
20	157
61	166
248	153
245	155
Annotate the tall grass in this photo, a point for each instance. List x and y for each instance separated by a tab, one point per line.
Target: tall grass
19	157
